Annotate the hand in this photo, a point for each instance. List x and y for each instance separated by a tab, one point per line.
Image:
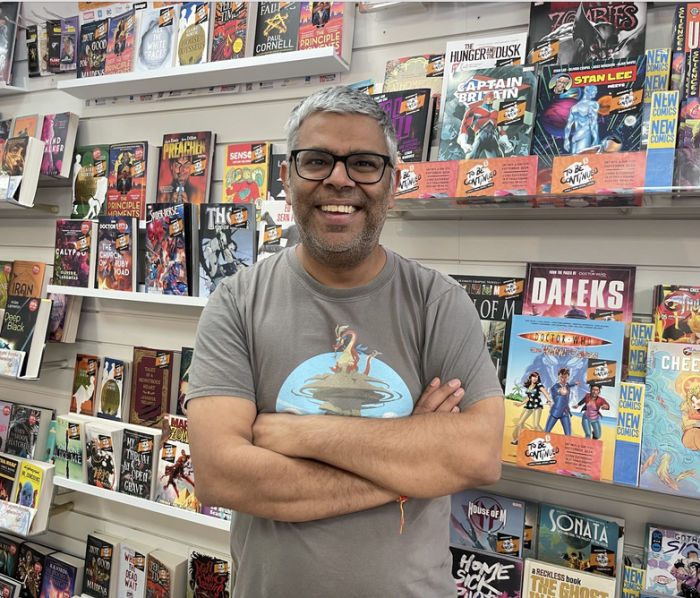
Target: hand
436	398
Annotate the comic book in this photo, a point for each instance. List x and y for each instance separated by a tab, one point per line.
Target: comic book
324	24
581	540
169	265
277	228
8	22
671	426
63	573
25	279
275	188
70	31
192	33
573	32
591	352
276	27
90	182
116	253
151	383
70	446
229	30
226	242
5	412
113	389
120	43
53	31
131	576
496	299
140	449
667	554
686	169
630	414
30	568
594	107
542	579
487	521
175	484
209	573
641	334
84	387
186	354
246	172
157	37
9	468
126	189
676	313
101	565
411	114
103	452
185	168
166	574
75	253
633	581
58	134
487	113
23	333
93	48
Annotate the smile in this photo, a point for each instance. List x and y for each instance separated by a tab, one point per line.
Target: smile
341	209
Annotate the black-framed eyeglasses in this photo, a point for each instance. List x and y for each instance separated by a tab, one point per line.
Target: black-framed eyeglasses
365	168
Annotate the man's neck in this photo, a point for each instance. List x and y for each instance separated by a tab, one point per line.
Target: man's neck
342	277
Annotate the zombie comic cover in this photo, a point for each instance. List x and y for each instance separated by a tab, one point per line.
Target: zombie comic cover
480	574
488	113
576	32
589	108
209	574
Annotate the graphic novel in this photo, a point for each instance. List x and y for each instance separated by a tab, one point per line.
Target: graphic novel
185	167
542	579
676	313
229	33
116	253
126	190
411	114
168	249
668	556
480	574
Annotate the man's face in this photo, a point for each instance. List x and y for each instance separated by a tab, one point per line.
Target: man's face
180	169
339	221
563	377
560	86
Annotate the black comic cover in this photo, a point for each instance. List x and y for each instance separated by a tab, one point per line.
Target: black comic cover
576	32
589	108
93	48
411	113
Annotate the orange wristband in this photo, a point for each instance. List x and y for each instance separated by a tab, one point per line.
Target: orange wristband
401	500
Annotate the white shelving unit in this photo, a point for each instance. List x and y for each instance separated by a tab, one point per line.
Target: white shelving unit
127	296
141	503
9	90
318	61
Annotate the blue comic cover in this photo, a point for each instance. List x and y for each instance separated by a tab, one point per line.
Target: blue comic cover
594	107
488	113
670	456
487	521
563	376
580	540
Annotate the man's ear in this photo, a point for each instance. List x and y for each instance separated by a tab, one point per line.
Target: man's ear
284	175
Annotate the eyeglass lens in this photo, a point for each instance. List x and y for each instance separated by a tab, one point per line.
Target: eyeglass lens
318	165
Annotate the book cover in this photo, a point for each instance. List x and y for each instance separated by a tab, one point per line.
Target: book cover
131	574
140	449
480	574
229	30
641	334
425	180
5	275
126	179
33	63
90	182
414	72
27	126
92	53
75	253
632	581
68	57
185	167
487	112
166	574
101	563
53	32
595	107
5	412
496	299
184	378
150	386
157	36
21	323
116	253
668	553
671	426
58	134
10	587
542	579
676	313
276	27
321	24
63	575
120	43
168	249
487	521
580	540
84	386
70	446
246	172
112	391
568	370
277	228
9	469
176	483
411	115
661	141
484	52
30	569
9	548
275	188
571	32
192	33
630	414
9	13
28	431
103	449
209	573
226	242
29	482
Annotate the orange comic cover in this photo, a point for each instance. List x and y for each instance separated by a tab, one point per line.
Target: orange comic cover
427	179
559	453
497	177
599	173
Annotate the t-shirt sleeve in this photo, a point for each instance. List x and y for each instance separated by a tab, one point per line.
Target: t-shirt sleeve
221	361
456	346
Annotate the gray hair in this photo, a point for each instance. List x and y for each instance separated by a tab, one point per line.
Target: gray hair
341	100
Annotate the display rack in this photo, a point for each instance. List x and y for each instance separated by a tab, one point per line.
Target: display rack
9	90
128	296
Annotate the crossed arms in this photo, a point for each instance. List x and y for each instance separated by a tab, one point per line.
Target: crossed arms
301	468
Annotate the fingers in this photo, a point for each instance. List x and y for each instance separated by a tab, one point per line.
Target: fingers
436	397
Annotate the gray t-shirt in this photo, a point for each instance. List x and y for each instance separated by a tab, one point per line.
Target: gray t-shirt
274	335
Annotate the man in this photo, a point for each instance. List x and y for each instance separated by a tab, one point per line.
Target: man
581	129
559	401
340	326
180	190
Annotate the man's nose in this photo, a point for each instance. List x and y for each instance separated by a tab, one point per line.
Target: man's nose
339	175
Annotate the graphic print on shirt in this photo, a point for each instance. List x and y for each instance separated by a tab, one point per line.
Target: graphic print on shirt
351	380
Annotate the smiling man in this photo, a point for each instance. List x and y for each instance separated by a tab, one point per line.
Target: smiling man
336	378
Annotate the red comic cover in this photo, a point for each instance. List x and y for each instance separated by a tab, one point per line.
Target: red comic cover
229	34
120	43
321	25
676	313
185	167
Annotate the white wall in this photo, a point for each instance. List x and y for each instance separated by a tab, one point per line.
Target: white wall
477	242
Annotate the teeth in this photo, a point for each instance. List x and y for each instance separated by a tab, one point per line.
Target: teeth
342	209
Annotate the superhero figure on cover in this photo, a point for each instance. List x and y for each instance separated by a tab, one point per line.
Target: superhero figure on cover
600	41
559	402
480	136
583	120
178	471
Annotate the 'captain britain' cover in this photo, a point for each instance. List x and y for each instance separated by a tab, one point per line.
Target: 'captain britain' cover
488	113
589	108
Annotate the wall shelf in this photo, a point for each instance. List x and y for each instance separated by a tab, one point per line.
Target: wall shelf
128	296
9	90
141	503
317	61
